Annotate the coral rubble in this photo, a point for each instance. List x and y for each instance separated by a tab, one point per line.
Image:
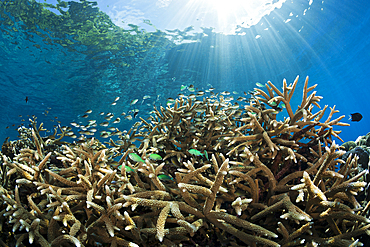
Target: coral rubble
224	173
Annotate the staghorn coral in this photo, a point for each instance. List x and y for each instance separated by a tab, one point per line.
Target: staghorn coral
235	175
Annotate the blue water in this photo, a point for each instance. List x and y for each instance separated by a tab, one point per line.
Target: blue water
66	65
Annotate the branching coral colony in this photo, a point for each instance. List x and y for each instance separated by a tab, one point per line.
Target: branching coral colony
225	174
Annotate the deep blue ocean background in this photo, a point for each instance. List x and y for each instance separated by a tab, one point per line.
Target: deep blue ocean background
76	59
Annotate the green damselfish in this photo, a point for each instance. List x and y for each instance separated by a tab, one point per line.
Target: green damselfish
165	177
128	169
155	157
195	152
135	157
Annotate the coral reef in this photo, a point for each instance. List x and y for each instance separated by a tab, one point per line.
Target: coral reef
360	148
205	171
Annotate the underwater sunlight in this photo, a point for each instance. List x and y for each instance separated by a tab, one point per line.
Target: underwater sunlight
230	13
184	123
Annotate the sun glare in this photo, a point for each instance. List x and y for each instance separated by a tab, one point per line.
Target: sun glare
235	12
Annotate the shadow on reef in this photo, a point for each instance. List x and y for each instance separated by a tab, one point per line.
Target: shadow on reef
204	171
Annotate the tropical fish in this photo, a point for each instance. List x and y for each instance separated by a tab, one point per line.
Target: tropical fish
165	177
355	117
133	102
191	88
155	157
195	152
183	87
104	124
135	157
170	101
117	120
128	169
69	133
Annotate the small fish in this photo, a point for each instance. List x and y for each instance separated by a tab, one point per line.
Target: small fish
170	101
104	124
88	133
128	169
191	88
136	157
69	133
183	87
105	135
155	157
195	152
116	99
259	84
117	120
26	99
187	114
133	102
88	111
146	97
355	117
135	114
84	116
114	103
165	177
